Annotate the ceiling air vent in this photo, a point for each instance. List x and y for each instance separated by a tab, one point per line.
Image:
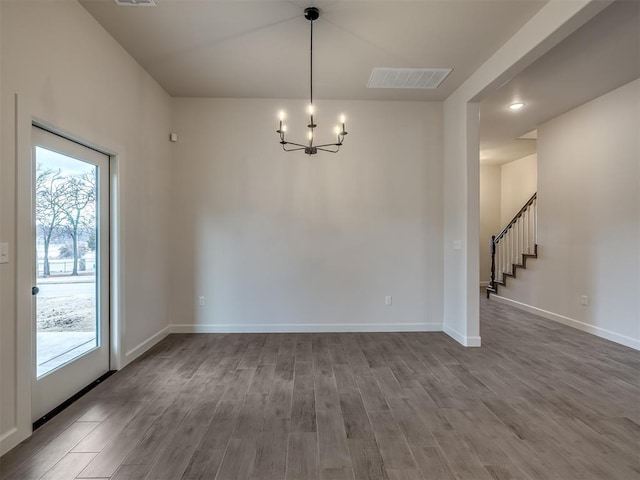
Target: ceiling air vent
407	77
136	3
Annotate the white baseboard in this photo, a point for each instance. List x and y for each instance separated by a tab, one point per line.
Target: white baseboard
9	439
307	328
571	322
484	284
462	339
138	350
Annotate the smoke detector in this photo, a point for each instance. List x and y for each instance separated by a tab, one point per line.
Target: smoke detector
407	77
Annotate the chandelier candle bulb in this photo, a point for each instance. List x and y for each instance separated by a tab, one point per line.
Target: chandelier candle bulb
281	117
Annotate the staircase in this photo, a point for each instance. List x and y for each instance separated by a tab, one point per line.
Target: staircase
511	248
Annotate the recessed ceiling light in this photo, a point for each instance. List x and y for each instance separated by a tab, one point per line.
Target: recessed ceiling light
516	106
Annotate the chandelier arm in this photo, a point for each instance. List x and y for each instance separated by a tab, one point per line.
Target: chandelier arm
329	145
330	151
293	143
292	149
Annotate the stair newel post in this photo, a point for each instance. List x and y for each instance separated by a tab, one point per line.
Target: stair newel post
493	263
498	261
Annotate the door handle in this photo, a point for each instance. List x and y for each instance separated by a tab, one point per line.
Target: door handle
35	290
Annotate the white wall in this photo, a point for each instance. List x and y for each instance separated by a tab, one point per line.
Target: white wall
519	181
589	219
490	189
68	72
281	241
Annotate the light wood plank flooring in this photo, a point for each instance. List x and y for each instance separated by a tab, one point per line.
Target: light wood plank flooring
537	401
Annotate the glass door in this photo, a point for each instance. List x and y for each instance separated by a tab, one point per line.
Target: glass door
71	268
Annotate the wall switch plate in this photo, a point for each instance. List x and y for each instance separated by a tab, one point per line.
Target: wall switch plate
584	300
201	301
388	300
457	244
4	253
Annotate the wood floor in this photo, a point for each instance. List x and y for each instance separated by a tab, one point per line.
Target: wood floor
537	401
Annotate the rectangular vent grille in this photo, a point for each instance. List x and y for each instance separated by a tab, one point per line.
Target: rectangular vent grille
407	77
136	3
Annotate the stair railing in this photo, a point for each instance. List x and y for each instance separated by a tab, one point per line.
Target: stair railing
518	238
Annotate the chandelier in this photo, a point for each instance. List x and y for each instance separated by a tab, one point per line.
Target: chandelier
311	14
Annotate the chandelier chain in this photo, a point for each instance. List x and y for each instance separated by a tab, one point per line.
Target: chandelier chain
311	66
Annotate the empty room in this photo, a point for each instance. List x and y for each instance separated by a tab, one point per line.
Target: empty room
319	240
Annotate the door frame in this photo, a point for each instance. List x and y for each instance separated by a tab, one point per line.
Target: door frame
24	256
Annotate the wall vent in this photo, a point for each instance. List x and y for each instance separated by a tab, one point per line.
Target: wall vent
135	3
407	77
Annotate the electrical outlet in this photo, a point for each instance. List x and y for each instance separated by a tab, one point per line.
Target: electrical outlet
201	301
388	300
4	253
584	300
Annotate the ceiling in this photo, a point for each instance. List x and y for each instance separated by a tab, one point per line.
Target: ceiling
231	48
601	56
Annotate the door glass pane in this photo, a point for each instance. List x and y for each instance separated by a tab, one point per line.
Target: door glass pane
67	253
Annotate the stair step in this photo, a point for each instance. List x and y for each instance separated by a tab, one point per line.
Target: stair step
514	266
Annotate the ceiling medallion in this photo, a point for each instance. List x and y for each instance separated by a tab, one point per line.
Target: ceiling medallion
311	14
